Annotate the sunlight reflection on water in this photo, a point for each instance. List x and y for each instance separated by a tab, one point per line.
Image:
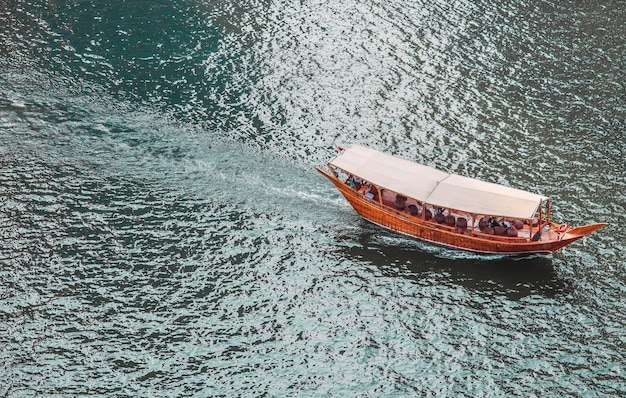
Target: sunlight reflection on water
165	232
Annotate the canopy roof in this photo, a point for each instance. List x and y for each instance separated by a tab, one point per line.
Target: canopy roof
435	187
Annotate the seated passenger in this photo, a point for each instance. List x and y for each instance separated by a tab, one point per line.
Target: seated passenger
371	192
483	223
400	202
499	230
440	218
461	222
354	182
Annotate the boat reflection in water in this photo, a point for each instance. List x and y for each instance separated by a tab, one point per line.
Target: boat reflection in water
447	209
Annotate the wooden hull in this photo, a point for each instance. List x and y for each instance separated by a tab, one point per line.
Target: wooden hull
428	231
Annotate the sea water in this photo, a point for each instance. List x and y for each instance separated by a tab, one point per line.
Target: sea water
165	233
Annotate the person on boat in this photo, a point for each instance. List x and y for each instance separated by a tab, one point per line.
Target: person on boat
439	217
484	222
371	191
354	182
495	222
400	202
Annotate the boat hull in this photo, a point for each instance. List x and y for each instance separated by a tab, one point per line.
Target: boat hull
400	222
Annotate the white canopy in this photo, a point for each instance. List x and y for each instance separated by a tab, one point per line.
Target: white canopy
429	185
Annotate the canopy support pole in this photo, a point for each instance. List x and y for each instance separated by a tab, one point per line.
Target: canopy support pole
332	170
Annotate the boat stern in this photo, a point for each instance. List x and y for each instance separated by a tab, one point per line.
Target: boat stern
579	232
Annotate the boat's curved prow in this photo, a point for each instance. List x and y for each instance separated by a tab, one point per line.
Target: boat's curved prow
579	232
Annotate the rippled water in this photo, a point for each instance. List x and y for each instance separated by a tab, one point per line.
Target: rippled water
164	232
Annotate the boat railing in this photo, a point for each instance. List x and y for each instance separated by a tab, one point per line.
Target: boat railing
501	237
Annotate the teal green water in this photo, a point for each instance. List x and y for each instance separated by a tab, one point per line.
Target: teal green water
164	232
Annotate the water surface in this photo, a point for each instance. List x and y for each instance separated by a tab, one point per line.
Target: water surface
164	232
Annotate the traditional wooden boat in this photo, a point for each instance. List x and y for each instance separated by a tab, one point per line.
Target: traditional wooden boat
447	209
